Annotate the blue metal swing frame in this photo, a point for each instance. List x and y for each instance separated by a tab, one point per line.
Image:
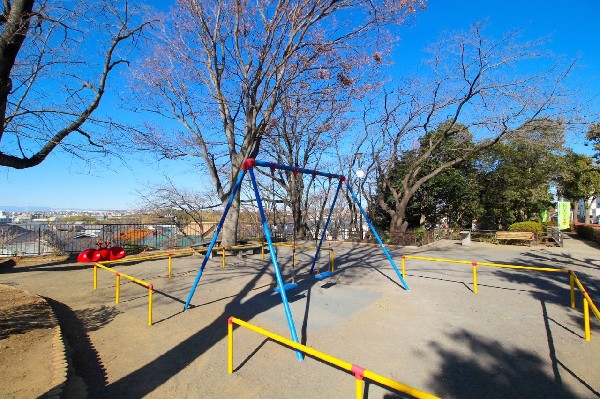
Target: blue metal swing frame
248	167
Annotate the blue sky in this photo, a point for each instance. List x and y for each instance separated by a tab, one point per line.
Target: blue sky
570	29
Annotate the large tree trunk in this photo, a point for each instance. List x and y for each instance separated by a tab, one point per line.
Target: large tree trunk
398	223
587	204
230	226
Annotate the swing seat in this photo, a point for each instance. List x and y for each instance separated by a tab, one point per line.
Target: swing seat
286	287
323	275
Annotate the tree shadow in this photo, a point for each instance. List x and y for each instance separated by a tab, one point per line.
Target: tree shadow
24	318
491	370
155	373
59	266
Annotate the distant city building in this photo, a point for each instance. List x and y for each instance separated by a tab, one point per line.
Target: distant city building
4	217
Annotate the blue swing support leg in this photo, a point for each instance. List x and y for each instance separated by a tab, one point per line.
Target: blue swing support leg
324	275
376	235
280	284
236	187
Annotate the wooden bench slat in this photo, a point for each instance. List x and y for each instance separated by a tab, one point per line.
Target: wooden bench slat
515	235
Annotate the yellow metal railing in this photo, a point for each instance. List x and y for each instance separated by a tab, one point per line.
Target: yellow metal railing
358	372
294	247
118	274
574	281
587	304
262	245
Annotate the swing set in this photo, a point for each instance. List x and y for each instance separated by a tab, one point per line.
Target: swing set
248	167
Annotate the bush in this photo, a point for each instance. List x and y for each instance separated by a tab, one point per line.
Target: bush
534	227
588	231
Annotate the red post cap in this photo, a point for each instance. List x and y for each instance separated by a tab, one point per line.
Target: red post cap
248	163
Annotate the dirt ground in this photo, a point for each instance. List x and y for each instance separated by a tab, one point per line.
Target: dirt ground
517	337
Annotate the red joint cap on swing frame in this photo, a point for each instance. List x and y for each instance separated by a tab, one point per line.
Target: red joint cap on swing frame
359	372
248	163
342	179
272	167
230	320
474	263
150	287
296	171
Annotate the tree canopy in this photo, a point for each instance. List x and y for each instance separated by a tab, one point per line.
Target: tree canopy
51	79
223	68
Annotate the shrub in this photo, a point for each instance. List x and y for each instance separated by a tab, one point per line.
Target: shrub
588	231
534	227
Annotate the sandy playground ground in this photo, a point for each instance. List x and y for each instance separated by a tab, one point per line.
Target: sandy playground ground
516	338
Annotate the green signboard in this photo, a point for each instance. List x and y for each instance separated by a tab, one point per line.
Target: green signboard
564	215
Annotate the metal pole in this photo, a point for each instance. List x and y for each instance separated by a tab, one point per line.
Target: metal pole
586	318
286	305
572	285
474	277
236	187
342	179
230	346
381	244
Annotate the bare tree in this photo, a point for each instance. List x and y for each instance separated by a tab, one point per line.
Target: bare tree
53	75
180	206
475	86
224	66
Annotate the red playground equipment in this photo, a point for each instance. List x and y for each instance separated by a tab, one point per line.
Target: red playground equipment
102	253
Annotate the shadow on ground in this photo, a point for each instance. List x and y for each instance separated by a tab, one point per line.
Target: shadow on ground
492	370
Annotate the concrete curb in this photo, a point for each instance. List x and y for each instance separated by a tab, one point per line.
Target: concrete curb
59	361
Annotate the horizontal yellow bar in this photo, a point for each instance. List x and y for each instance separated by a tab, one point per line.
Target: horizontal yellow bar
256	244
155	256
300	246
504	266
128	277
335	361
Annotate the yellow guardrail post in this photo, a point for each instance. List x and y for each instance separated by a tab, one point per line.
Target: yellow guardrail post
170	265
223	261
293	256
590	302
572	285
359	375
95	276
403	266
230	346
150	289
332	253
474	277
117	287
586	318
262	251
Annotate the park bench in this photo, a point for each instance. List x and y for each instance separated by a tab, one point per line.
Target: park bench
515	235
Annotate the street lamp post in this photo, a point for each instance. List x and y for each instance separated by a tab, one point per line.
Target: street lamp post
360	174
